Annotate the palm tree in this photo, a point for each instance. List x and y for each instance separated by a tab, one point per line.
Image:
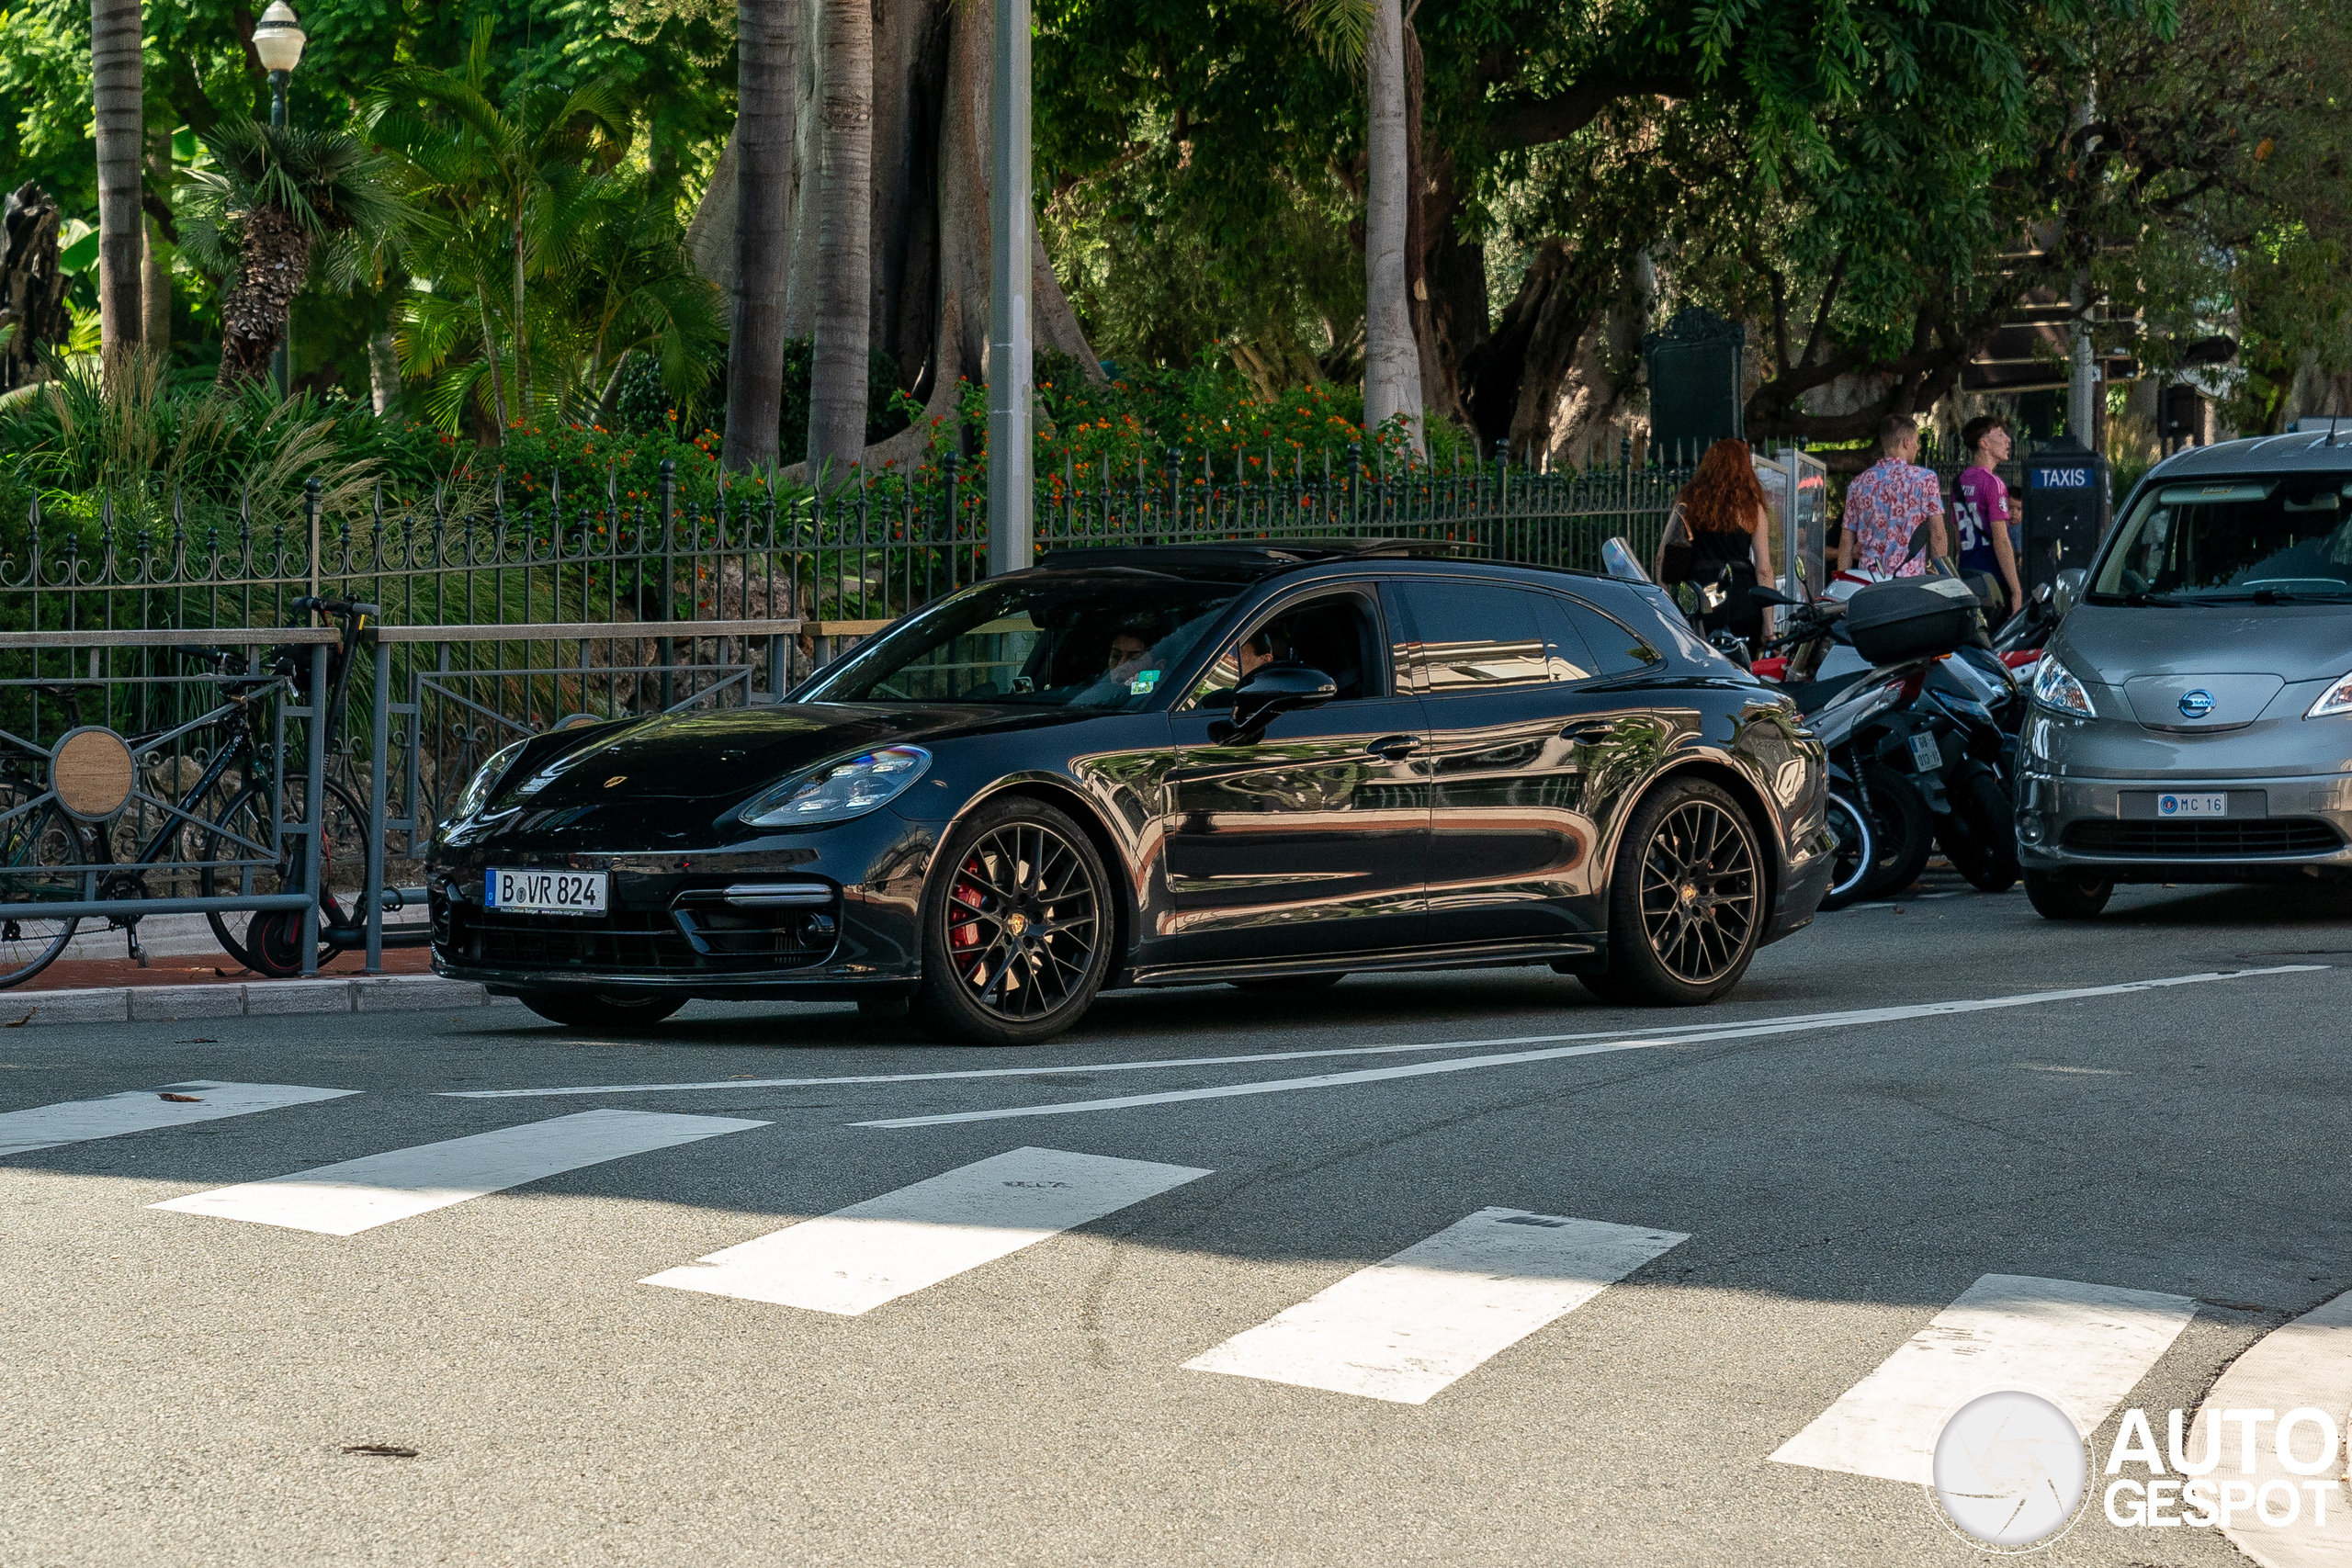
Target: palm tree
766	34
1374	30
118	87
486	170
837	387
259	212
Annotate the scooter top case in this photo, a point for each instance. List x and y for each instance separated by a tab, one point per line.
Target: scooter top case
1910	617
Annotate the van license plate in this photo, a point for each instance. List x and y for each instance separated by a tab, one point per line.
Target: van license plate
547	892
1927	757
2192	805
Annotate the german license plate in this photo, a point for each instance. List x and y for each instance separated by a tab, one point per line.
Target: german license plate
547	892
2192	805
1927	757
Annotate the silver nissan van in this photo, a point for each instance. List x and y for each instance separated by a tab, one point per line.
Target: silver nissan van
2192	717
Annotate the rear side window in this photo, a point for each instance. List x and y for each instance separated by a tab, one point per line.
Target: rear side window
1475	636
1615	649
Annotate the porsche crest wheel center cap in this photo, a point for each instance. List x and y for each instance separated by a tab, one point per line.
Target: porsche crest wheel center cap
1017	924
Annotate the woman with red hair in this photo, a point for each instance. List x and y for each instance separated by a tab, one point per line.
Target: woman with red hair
1719	535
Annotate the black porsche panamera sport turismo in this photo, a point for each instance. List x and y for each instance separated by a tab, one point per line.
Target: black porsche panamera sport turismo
1267	765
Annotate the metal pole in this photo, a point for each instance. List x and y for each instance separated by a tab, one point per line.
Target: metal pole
281	363
1012	230
379	742
314	825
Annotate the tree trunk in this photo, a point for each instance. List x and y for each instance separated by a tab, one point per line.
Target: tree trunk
383	371
118	87
837	376
1392	375
33	286
273	258
762	148
154	277
934	62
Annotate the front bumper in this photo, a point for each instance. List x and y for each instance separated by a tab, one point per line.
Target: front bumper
2277	829
669	926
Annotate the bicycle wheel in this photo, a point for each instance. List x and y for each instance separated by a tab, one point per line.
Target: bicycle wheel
41	861
269	942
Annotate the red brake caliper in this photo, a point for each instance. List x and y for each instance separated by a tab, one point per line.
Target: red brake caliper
965	932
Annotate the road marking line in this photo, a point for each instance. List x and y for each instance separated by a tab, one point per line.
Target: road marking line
146	1110
360	1194
2306	1363
853	1259
1154	1065
1160	1064
1409	1325
1688	1037
2083	1345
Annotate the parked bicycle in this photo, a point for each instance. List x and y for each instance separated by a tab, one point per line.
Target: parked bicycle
228	820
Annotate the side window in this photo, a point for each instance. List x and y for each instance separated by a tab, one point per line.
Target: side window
1571	659
1335	633
1475	637
1616	649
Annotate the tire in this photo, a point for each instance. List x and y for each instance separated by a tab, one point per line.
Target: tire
1856	853
1686	899
1295	985
601	1009
270	942
41	856
1017	927
1980	836
1904	826
2057	896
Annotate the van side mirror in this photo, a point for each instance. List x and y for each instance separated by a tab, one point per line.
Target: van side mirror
1270	691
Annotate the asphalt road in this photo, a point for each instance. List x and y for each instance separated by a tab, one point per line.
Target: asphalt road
200	1385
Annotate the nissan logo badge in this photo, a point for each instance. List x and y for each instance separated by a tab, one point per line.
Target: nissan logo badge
2196	703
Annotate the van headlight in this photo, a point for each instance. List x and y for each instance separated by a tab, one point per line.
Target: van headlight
839	791
2337	699
484	784
2055	688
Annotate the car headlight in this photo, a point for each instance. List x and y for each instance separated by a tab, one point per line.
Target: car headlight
839	791
2337	699
484	784
2055	688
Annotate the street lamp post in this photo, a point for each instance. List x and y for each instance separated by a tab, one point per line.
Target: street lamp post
1013	236
278	39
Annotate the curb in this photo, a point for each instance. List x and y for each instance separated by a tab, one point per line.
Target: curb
275	998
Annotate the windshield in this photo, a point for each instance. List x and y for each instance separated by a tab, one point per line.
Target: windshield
2261	541
1092	641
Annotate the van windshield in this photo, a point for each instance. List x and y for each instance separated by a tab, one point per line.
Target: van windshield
2265	541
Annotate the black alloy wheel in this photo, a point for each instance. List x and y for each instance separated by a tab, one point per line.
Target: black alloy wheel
601	1009
2058	896
1686	900
1856	849
1017	930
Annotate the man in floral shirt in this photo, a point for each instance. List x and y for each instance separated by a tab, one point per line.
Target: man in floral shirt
1886	504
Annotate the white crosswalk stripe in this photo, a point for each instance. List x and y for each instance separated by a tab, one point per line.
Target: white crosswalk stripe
147	1110
360	1194
1411	1325
856	1258
2083	1346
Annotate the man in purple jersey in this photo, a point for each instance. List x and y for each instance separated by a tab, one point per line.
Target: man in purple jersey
1980	504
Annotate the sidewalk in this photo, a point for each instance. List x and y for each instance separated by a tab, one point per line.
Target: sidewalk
188	976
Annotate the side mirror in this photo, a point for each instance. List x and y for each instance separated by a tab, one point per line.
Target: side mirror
2070	587
1272	690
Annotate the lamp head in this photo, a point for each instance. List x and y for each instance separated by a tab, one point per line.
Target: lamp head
278	38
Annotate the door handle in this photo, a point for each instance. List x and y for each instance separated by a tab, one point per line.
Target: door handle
1390	748
1585	734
